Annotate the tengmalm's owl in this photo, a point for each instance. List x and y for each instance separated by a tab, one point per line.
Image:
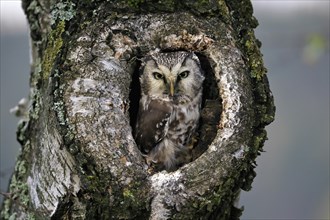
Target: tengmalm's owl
169	109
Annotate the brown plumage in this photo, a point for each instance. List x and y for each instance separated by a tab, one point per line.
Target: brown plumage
169	110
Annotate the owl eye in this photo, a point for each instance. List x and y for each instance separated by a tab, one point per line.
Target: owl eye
157	75
184	74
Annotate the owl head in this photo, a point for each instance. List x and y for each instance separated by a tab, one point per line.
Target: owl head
174	75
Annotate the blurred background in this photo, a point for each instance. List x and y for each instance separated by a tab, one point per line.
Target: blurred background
293	174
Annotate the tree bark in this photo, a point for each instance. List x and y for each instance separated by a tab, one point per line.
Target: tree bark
79	159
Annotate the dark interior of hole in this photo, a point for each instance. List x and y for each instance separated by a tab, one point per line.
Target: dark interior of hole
211	108
135	95
211	105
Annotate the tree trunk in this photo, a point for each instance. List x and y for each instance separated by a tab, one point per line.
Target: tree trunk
79	159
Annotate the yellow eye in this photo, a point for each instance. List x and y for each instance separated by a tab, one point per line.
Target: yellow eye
184	74
157	75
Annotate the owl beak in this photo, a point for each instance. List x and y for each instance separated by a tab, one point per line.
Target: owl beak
171	88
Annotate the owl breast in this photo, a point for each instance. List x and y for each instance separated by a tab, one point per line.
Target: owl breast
165	131
183	124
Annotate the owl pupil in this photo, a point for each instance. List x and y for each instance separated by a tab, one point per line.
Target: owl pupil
157	75
184	74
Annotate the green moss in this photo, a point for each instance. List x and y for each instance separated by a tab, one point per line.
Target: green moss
265	116
54	45
135	3
219	201
126	198
128	195
259	139
255	60
223	11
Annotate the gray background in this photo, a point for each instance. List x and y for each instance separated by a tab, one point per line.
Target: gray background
293	174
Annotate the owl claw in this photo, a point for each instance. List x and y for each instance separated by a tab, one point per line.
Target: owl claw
193	142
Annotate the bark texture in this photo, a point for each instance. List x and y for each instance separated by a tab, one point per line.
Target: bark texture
79	159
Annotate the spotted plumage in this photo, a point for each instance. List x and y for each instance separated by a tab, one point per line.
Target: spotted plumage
169	110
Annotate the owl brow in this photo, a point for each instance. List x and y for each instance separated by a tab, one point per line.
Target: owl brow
186	57
144	61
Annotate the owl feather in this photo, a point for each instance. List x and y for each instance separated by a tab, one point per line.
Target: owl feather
169	109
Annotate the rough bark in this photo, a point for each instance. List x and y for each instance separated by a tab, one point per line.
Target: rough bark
79	159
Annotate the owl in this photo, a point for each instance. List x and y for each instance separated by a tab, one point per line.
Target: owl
169	108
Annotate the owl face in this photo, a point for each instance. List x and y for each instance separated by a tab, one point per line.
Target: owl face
175	75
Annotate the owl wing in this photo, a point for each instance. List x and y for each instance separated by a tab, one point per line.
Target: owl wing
152	124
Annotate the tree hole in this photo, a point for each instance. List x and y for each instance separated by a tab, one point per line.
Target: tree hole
211	108
211	105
